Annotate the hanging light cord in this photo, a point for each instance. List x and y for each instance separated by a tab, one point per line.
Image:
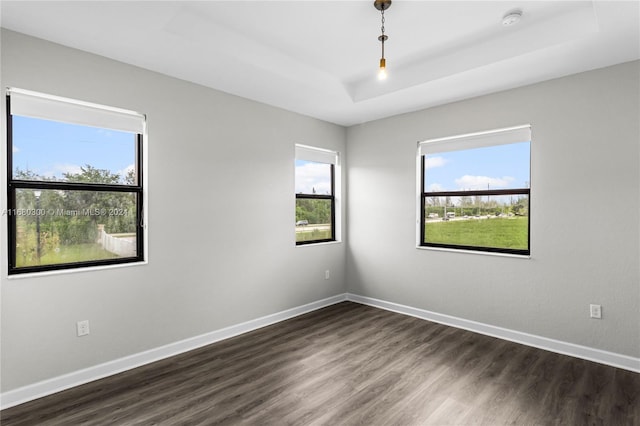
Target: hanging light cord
382	37
381	5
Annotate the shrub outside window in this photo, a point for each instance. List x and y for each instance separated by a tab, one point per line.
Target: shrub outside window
75	187
315	195
475	192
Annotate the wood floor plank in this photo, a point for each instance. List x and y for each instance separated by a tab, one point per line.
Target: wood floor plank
350	364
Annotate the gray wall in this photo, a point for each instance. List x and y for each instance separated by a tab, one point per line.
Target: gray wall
584	204
221	211
221	214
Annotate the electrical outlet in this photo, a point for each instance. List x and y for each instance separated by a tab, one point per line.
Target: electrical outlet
595	311
327	274
82	327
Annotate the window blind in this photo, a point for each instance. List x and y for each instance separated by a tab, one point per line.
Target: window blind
476	140
37	105
317	155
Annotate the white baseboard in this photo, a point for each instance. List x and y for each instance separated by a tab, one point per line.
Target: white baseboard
565	348
76	378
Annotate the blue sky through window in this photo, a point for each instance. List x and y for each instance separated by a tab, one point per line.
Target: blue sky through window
494	167
51	148
313	178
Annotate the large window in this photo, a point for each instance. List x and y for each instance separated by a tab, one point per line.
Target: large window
75	187
475	191
315	195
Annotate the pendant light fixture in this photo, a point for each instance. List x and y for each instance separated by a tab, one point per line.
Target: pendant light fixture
382	5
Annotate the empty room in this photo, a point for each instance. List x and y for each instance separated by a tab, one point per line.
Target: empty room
320	212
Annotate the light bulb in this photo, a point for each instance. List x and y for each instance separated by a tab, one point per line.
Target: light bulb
382	73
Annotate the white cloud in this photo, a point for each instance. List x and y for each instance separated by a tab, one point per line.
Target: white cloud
59	169
123	173
15	149
312	176
435	187
433	162
483	182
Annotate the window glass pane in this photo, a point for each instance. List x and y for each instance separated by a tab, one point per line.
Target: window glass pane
313	178
481	221
494	167
57	227
313	219
56	151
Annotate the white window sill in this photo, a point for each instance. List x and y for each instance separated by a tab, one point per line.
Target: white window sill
485	253
324	243
74	270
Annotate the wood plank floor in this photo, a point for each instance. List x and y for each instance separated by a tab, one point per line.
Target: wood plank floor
350	364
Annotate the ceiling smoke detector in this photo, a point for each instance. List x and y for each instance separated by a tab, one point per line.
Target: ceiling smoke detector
512	18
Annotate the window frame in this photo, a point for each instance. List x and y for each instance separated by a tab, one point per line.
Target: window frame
322	153
13	185
423	193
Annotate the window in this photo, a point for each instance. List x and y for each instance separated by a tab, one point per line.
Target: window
74	183
475	191
315	195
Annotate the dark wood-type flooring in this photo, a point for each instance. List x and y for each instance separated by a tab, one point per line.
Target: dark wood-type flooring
351	364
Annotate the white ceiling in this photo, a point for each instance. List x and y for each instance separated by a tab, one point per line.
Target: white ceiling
319	58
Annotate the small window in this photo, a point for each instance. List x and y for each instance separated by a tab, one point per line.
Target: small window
315	195
75	187
475	192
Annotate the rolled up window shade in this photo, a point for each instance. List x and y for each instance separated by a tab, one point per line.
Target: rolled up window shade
476	140
37	105
317	155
